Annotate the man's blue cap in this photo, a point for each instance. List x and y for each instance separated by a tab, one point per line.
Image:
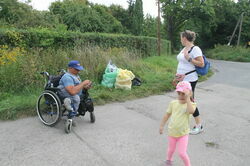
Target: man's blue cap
75	64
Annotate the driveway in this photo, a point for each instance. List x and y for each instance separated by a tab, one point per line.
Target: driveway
126	134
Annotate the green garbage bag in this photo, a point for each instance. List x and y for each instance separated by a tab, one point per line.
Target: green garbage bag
109	77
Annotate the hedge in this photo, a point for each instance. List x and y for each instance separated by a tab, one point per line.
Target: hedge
45	38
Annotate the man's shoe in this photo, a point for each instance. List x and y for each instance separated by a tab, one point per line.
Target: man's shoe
196	130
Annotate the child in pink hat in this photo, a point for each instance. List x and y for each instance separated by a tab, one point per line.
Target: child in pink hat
178	127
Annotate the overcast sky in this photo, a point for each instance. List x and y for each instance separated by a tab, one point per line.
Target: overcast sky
149	6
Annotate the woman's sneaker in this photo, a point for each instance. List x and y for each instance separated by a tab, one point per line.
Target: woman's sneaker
196	130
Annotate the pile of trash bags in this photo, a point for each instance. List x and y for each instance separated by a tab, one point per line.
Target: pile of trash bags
119	78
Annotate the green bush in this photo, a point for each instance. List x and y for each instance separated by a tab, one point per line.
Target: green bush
45	38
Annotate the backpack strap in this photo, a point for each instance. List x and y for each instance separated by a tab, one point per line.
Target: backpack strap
191	48
190	72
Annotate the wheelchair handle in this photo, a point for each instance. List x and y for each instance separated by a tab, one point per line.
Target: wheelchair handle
61	71
45	73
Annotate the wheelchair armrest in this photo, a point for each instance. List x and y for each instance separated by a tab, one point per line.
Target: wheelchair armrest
53	89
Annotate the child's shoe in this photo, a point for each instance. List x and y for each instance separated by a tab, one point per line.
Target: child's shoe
168	163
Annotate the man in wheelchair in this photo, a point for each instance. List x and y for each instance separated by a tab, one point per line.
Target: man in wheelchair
72	89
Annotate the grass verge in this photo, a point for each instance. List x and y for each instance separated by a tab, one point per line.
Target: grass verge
228	53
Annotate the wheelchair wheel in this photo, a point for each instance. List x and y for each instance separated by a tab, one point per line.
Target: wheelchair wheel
49	108
68	126
92	117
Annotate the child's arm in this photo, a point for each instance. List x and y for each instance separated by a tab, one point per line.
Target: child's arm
190	108
163	122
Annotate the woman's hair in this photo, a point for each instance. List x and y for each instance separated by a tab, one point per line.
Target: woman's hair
189	35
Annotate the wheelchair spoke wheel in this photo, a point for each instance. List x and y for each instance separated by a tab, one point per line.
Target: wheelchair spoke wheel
49	108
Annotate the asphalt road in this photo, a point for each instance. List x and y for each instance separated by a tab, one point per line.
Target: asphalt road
126	134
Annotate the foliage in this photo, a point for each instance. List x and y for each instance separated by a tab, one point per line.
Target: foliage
121	15
224	52
9	56
150	28
21	15
214	21
177	14
79	16
110	24
137	18
224	23
243	6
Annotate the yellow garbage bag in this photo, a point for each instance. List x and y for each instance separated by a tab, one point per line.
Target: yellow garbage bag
124	79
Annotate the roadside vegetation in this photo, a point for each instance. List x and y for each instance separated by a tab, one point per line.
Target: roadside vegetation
21	83
229	53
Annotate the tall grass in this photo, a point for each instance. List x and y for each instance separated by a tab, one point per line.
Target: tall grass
21	82
24	73
228	53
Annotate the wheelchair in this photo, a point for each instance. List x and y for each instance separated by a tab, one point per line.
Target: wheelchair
50	107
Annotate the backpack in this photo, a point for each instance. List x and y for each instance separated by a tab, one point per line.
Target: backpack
55	79
201	70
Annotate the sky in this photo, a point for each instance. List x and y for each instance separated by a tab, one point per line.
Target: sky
149	6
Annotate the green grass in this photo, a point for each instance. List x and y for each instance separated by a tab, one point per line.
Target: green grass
229	53
20	105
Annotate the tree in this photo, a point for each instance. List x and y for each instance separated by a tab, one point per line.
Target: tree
179	13
110	23
174	14
131	5
121	15
149	26
21	15
137	18
79	15
243	6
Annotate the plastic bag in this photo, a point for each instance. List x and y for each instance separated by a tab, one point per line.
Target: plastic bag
124	79
110	67
109	77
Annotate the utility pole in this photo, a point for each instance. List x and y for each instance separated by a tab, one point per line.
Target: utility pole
231	38
158	28
241	20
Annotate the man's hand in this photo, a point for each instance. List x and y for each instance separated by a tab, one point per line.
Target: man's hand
87	84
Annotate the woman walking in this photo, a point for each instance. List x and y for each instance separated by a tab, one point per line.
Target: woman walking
189	57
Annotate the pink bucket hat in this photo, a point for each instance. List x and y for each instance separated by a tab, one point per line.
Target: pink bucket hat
182	86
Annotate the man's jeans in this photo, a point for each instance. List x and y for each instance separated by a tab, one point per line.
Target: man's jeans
74	102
